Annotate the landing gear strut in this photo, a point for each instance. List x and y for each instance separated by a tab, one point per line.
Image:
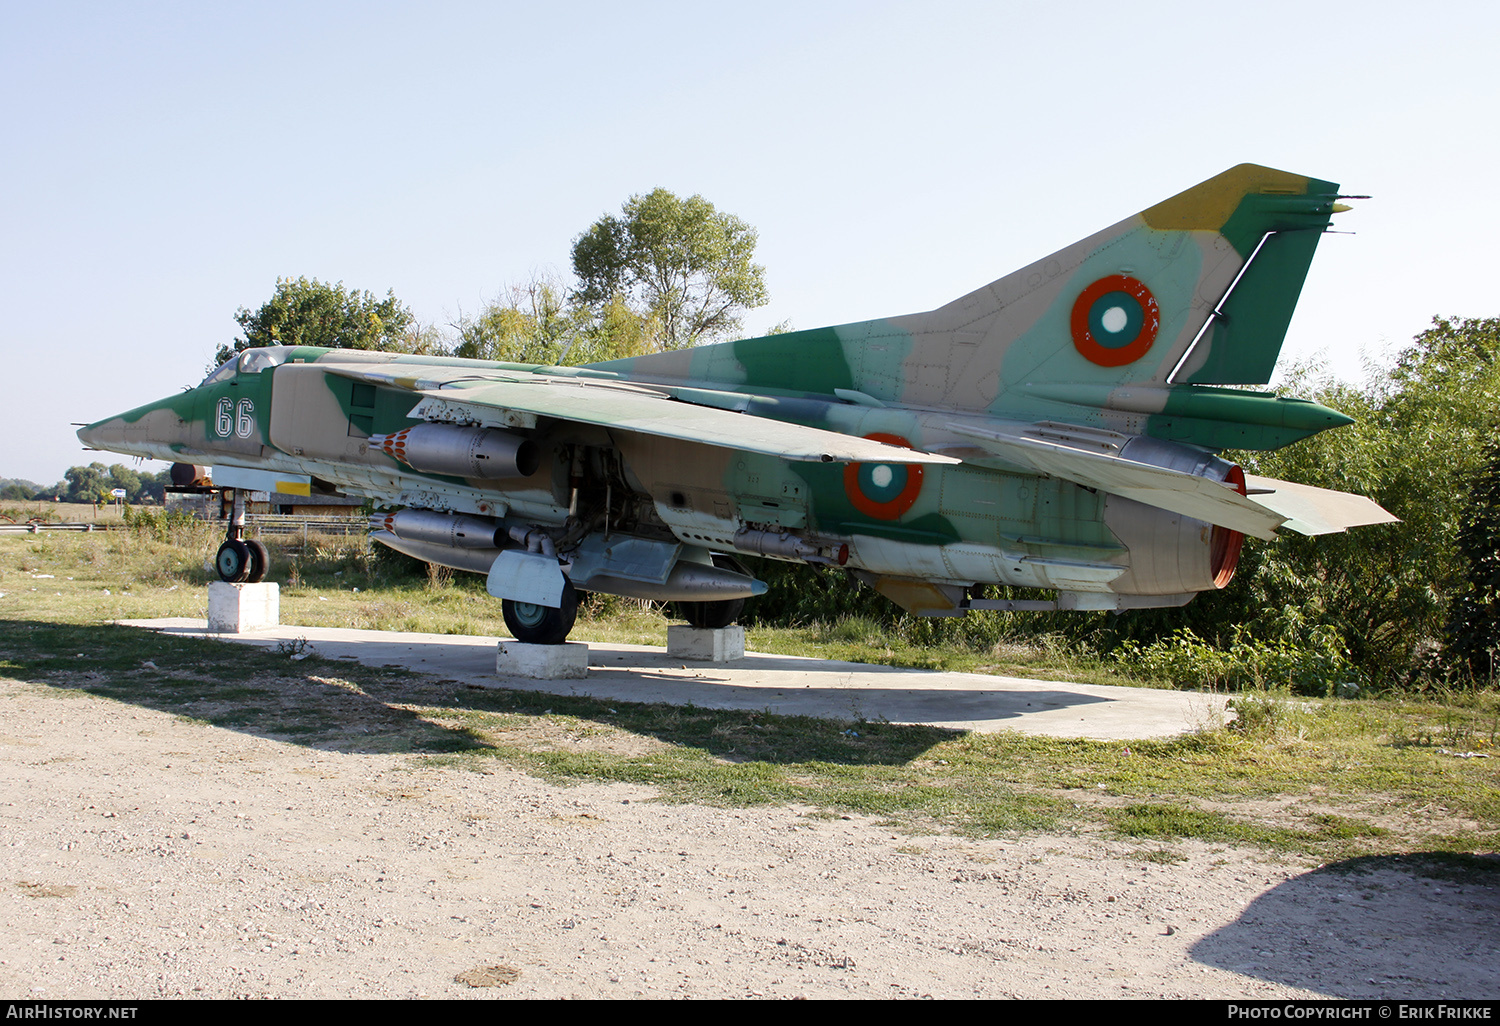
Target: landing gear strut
240	561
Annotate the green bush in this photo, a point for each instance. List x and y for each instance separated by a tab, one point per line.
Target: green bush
1316	666
165	525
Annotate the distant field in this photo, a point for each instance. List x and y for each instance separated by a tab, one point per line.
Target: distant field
60	512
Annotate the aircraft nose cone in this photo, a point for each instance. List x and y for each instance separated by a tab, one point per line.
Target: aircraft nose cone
154	431
92	436
109	436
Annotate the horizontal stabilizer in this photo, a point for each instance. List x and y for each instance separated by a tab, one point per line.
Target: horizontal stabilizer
1312	510
1189	494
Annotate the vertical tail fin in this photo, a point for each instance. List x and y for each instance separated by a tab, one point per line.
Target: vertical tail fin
1272	220
1196	290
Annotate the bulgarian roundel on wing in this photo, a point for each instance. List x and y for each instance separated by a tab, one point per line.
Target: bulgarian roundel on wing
883	490
1115	320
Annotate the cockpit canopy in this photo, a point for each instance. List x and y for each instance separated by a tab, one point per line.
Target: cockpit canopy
251	361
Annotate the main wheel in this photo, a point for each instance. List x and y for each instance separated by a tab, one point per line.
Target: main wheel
711	616
233	561
532	624
260	562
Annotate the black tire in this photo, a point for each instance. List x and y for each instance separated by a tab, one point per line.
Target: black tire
260	562
712	616
233	562
540	625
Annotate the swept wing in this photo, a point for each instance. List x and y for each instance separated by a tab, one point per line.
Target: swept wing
623	406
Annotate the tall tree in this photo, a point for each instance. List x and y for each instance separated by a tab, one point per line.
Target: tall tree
680	263
1473	628
121	476
1417	447
308	312
88	484
531	323
613	334
535	323
19	488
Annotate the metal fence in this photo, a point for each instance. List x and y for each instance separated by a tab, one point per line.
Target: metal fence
255	523
38	528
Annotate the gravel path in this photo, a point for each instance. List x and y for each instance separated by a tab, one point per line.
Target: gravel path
143	855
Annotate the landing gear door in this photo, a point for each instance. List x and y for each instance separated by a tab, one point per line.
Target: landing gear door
528	577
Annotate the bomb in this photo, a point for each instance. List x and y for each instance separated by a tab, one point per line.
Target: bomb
469	452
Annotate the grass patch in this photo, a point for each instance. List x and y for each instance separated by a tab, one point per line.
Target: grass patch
1154	821
1338	779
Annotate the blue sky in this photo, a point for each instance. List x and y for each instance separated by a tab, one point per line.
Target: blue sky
164	163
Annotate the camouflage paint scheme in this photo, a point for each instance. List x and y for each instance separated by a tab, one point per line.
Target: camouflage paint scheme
1055	429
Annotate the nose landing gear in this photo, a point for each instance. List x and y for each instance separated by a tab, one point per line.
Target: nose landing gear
240	561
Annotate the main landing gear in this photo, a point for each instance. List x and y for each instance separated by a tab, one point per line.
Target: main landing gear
713	616
239	561
532	624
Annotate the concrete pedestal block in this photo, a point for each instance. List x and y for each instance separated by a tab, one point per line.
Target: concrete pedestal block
716	646
567	661
237	608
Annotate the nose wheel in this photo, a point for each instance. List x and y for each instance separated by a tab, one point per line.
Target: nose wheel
233	561
240	561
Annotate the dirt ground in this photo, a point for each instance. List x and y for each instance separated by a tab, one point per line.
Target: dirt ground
144	855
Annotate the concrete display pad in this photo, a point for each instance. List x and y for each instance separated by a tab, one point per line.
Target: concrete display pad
568	661
722	645
789	685
235	608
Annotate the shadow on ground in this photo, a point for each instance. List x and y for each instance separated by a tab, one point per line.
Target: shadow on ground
1422	925
340	705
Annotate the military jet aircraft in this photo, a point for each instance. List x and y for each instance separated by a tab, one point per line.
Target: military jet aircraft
1055	429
